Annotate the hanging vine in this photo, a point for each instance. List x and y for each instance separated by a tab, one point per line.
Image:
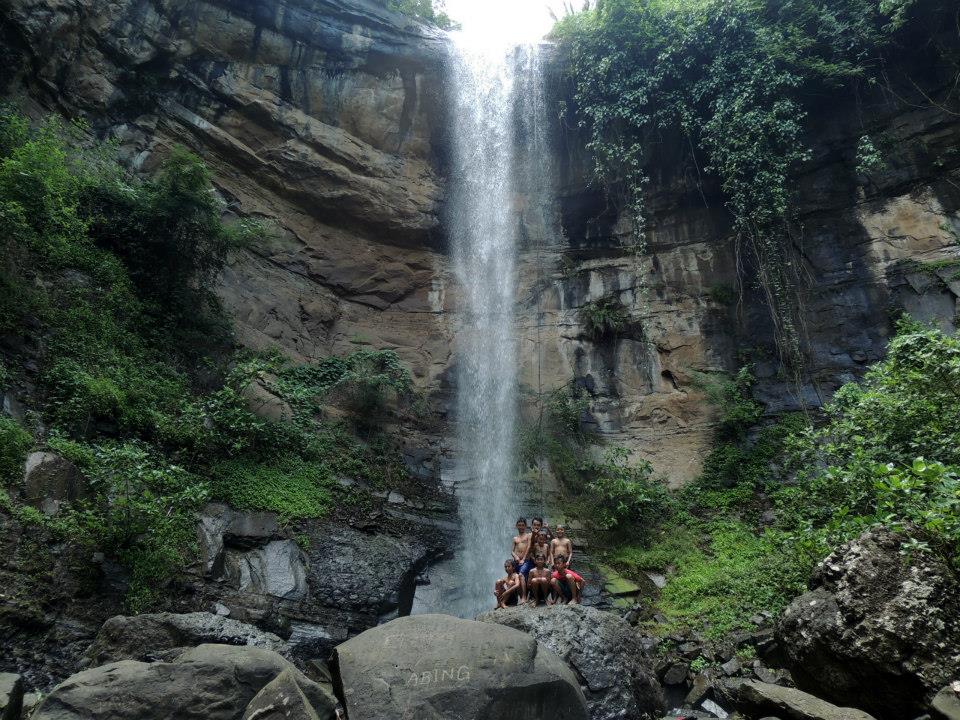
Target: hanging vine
728	77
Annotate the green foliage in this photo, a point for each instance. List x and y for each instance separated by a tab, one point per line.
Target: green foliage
888	454
737	410
14	444
559	439
869	159
167	230
430	11
289	486
112	275
603	318
622	494
730	79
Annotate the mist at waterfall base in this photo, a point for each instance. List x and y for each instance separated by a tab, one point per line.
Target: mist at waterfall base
497	114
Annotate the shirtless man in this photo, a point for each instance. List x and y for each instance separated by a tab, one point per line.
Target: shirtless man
507	588
567	585
521	555
540	582
561	545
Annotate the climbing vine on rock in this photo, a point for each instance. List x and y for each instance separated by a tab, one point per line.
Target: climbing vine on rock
728	78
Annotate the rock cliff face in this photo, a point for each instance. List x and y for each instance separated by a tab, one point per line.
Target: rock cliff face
327	119
866	246
320	117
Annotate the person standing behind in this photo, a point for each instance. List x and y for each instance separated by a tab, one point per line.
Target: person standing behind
539	526
540	545
521	555
561	545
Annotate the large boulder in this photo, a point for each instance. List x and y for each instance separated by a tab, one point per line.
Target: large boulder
878	630
50	481
11	696
214	682
759	699
283	699
946	703
434	666
603	650
147	637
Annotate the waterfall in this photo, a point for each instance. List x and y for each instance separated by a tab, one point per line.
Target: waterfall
483	232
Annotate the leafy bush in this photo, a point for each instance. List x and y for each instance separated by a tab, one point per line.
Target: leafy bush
731	396
167	230
603	318
14	444
290	487
144	512
622	494
888	454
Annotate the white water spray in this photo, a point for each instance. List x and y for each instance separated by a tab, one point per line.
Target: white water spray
483	231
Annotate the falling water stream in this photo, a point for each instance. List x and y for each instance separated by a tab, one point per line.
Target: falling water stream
484	245
495	94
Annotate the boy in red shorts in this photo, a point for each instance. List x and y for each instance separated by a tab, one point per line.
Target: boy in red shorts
567	585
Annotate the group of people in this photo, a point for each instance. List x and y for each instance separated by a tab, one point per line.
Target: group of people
539	571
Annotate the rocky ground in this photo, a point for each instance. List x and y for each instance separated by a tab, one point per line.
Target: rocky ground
894	658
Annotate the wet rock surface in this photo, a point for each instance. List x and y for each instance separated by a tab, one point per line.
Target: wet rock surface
762	700
210	681
604	651
441	666
877	630
145	637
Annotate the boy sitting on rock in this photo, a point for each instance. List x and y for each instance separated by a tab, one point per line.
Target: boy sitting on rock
507	588
567	585
539	582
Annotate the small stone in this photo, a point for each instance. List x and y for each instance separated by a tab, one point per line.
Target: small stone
221	609
758	619
767	676
711	707
701	686
395	498
676	674
731	667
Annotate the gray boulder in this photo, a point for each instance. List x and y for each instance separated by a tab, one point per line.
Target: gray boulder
946	703
759	699
436	666
877	630
147	637
11	696
215	682
263	403
283	699
50	481
603	650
